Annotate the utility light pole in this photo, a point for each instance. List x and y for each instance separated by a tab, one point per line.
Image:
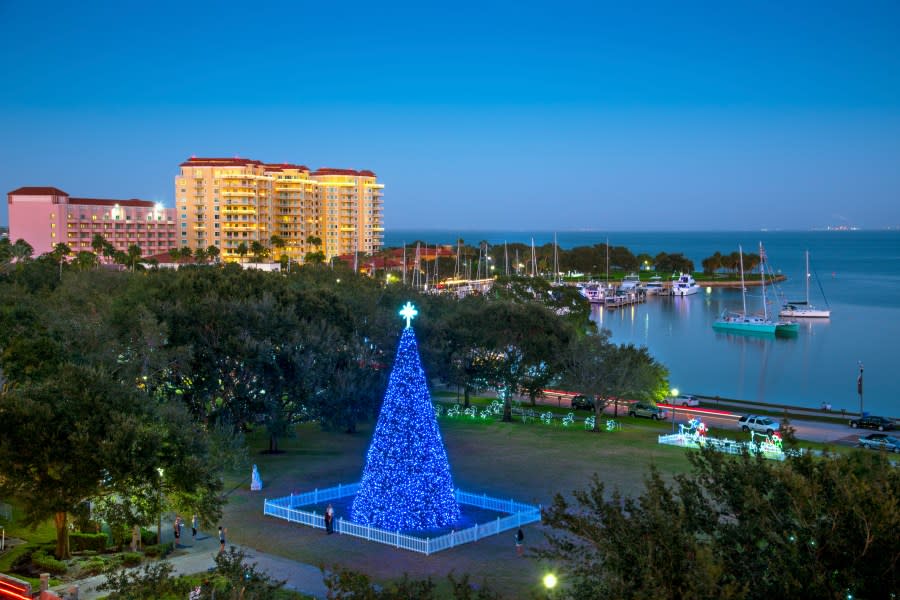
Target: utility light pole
859	388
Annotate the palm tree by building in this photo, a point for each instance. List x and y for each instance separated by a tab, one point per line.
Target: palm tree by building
242	250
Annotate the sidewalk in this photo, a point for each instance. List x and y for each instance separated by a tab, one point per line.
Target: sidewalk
199	557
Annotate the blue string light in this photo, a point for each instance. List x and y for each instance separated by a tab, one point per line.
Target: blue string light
406	484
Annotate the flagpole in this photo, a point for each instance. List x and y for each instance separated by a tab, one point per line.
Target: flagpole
859	389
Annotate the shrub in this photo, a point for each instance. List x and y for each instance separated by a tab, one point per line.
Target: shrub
87	541
48	563
159	550
91	567
148	537
131	559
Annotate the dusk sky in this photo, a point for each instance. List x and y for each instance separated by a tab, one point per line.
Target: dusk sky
529	115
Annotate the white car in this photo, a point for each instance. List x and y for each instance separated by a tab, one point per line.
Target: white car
759	424
685	400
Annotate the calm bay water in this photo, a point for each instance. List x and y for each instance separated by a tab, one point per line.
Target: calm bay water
858	270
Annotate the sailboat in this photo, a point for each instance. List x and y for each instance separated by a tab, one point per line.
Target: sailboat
803	308
743	322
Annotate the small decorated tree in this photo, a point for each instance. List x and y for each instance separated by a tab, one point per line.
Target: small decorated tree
406	484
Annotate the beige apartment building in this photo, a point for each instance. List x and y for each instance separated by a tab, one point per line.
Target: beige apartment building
224	202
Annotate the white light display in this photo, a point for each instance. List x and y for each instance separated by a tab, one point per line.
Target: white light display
406	484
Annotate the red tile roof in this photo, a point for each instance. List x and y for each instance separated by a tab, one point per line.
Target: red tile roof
242	162
102	202
220	162
38	191
354	173
285	166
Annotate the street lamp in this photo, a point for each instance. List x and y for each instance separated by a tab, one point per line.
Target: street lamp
859	388
550	582
674	393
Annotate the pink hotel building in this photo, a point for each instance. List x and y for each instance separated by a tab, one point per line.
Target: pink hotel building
46	216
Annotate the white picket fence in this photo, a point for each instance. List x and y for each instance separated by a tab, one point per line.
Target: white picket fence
518	514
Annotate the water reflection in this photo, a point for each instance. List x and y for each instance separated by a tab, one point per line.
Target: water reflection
816	365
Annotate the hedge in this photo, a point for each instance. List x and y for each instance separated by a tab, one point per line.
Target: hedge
131	559
48	563
88	541
159	550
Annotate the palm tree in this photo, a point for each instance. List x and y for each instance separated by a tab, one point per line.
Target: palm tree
174	253
185	253
213	253
85	260
98	243
134	256
200	255
259	251
276	241
59	254
242	250
21	250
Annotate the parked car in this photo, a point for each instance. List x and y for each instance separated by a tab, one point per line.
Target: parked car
582	401
766	425
685	400
879	423
643	409
880	441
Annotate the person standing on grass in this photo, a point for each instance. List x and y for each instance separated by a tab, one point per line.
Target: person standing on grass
520	541
195	522
222	539
177	533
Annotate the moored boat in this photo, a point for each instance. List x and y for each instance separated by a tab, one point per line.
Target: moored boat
743	322
804	309
685	285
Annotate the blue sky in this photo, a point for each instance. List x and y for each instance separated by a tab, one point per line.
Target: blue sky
666	116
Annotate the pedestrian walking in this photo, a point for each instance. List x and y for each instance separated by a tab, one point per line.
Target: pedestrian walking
329	519
177	529
195	522
520	541
222	539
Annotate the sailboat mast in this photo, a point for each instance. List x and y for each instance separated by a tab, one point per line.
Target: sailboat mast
506	257
807	278
555	259
404	263
533	260
762	276
743	289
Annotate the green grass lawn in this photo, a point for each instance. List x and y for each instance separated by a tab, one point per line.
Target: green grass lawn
529	463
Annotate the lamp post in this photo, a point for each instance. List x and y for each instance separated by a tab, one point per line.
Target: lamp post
550	582
674	393
859	388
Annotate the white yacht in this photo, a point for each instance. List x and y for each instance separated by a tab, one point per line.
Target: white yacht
655	286
629	284
685	285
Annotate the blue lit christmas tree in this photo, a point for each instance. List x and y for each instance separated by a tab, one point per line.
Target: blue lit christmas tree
406	484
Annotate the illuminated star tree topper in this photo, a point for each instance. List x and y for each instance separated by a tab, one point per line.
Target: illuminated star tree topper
406	484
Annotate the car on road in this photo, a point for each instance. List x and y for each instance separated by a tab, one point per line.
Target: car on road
766	425
685	400
869	422
582	401
644	409
880	441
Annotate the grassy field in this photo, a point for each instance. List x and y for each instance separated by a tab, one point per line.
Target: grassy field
529	463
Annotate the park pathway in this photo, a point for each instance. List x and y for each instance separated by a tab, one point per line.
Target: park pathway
199	557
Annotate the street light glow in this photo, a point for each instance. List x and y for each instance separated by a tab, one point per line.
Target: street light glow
549	581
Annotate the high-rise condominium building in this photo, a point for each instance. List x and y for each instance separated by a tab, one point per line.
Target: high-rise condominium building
46	216
225	202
